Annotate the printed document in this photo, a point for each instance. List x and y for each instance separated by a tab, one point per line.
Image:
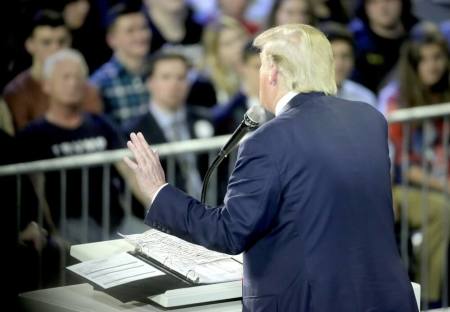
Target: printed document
115	270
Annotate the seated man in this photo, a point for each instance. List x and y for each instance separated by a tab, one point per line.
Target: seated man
169	118
67	130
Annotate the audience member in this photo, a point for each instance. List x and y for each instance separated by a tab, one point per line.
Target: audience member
30	249
17	18
67	130
379	30
332	11
343	51
84	24
173	23
292	11
24	95
423	79
169	119
237	9
223	41
121	81
227	117
174	28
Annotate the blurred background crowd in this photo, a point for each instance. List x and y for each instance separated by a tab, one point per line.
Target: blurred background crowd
79	75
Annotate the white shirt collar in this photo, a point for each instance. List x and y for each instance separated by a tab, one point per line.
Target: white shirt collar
281	104
165	118
252	100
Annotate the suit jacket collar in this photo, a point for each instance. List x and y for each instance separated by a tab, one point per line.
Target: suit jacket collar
302	98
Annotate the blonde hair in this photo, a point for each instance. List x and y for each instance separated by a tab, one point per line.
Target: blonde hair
62	55
223	77
302	55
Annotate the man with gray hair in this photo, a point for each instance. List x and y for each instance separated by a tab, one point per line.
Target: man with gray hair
309	201
67	130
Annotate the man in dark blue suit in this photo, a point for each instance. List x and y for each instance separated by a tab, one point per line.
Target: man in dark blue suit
309	201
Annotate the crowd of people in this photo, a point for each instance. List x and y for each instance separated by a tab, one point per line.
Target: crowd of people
82	74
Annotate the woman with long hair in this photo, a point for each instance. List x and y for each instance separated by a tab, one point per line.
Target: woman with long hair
423	79
223	43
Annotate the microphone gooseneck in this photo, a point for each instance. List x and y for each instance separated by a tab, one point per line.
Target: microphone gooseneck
252	119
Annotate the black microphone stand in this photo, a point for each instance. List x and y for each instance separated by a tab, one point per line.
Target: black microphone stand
246	125
210	170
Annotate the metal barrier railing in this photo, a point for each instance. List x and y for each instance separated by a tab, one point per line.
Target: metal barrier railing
430	193
168	152
421	116
105	160
109	157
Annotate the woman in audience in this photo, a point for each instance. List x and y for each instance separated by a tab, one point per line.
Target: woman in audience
82	20
236	9
223	43
423	79
172	22
291	11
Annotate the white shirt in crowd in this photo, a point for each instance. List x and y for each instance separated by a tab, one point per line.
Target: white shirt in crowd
354	91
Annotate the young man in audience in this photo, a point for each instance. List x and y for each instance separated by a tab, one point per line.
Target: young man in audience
67	130
227	117
170	119
344	60
24	95
121	81
380	28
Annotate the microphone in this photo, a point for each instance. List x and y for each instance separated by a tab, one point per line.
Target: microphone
254	116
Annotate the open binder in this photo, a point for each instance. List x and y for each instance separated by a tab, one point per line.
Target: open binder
182	265
193	263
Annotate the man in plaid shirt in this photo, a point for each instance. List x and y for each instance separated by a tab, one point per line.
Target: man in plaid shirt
121	81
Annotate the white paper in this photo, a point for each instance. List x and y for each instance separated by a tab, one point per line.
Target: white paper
115	270
239	258
195	262
219	271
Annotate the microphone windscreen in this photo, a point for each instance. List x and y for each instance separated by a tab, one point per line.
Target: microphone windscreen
256	114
